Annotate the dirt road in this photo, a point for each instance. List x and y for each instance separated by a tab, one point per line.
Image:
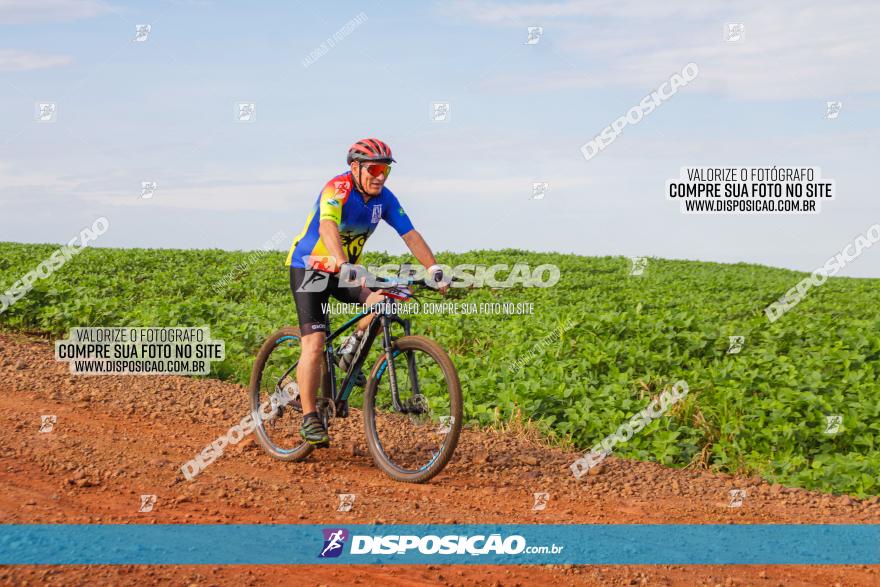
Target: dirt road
117	438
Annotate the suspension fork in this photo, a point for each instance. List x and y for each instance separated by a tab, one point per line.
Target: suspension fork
388	347
411	361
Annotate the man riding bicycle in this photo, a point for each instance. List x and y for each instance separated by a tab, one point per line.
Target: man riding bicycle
346	213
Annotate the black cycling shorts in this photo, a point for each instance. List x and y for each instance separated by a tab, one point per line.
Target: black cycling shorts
311	292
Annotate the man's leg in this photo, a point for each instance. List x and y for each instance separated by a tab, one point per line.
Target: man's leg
308	377
312	323
308	371
373	298
366	297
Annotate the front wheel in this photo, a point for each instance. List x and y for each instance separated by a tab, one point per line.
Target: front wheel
413	436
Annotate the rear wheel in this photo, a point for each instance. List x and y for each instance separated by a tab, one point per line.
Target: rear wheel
414	440
275	401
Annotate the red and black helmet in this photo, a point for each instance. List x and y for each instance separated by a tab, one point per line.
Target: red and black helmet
369	150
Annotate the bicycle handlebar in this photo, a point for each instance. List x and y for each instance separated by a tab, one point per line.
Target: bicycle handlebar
383	283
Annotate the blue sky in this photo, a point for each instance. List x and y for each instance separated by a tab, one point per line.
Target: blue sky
163	110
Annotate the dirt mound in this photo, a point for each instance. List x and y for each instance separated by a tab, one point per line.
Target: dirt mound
118	438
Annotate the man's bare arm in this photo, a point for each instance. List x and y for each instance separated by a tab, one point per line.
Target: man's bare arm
329	233
422	252
419	248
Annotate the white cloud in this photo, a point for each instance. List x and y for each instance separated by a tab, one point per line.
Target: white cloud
24	11
13	60
791	50
14	175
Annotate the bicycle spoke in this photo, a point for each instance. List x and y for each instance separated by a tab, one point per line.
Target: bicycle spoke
411	439
277	390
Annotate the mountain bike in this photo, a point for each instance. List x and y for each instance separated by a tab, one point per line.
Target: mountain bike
412	403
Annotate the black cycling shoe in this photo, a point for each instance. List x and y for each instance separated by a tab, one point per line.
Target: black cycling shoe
313	432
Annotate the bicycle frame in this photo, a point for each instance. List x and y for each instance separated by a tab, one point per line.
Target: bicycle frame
383	321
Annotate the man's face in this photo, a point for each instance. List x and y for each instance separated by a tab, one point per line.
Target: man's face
364	171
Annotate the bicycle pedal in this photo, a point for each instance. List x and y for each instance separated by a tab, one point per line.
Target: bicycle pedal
322	445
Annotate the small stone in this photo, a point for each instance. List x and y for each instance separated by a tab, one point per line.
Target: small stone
246	443
597	470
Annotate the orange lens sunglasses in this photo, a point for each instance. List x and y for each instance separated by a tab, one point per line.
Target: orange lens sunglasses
377	169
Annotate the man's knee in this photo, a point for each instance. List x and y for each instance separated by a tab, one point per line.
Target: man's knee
312	344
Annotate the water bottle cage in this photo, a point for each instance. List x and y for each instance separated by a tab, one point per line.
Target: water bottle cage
346	352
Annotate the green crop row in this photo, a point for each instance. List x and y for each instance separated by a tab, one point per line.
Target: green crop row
599	347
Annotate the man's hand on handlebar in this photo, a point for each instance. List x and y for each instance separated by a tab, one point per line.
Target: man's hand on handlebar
436	275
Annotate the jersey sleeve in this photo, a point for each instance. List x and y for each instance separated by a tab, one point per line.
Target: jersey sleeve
394	214
333	197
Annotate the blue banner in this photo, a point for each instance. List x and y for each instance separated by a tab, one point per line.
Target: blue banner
184	544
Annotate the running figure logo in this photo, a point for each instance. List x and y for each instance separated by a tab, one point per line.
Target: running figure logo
737	497
832	109
47	423
147	503
736	344
315	280
541	499
535	33
833	424
639	264
346	502
334	540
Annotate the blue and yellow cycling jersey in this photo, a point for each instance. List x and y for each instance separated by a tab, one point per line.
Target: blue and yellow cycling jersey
357	218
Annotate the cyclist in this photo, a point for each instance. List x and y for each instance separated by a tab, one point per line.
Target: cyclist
346	213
